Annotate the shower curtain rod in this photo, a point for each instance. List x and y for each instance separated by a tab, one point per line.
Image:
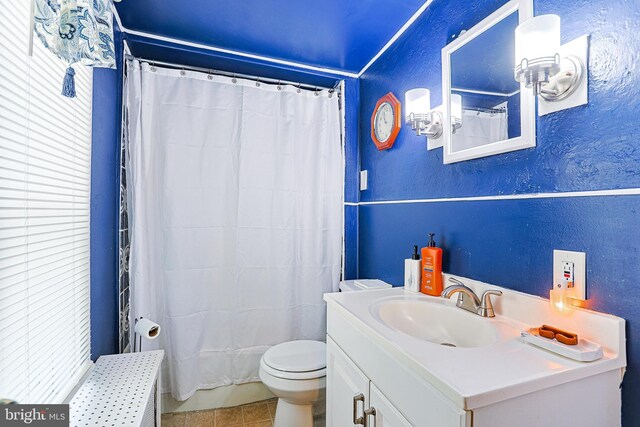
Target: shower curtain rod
239	75
486	110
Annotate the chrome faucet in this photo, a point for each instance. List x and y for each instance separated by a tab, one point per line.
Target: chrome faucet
468	300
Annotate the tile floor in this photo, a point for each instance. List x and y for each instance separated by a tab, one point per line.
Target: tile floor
258	414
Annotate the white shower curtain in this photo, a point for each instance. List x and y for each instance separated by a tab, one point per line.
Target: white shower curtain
235	195
480	128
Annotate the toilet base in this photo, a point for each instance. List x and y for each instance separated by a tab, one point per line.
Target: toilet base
293	415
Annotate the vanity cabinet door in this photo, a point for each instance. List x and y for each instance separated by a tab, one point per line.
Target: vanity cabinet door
385	415
347	389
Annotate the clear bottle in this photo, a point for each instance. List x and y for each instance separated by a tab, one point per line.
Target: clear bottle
412	275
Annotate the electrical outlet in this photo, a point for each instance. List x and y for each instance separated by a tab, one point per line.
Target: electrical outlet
364	175
570	267
567	274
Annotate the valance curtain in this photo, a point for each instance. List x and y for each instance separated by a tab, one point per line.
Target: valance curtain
76	31
235	198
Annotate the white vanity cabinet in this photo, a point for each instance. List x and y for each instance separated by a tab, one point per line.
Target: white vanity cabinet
352	393
377	376
349	387
353	389
383	411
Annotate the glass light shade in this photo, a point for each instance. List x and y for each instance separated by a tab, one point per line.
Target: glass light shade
417	101
456	108
538	37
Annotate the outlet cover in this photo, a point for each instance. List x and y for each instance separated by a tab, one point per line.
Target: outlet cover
579	260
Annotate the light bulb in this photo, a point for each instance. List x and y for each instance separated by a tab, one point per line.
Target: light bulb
537	38
417	102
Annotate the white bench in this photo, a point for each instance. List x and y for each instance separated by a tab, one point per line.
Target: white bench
122	390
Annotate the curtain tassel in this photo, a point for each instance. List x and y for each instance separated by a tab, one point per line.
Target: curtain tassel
69	83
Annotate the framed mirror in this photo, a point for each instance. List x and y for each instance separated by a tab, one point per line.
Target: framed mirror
486	112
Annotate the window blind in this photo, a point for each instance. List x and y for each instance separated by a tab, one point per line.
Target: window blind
45	152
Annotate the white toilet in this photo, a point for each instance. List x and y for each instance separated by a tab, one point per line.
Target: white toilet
295	371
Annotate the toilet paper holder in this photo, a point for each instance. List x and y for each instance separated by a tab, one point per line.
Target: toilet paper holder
144	328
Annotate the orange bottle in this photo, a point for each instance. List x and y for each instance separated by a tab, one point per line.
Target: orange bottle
431	269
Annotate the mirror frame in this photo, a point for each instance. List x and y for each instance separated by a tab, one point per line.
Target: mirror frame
527	138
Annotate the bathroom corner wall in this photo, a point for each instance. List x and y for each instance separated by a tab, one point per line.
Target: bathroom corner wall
509	242
352	181
105	198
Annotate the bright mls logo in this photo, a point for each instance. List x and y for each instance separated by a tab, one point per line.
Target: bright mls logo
34	415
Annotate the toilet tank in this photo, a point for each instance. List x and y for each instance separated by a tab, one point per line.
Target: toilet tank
362	285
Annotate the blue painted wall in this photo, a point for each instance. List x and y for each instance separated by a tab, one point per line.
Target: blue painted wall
585	148
510	242
351	186
105	175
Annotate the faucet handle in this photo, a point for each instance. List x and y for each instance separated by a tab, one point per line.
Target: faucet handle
486	307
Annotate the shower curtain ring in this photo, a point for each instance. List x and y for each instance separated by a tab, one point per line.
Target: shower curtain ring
298	87
279	87
316	91
182	72
210	75
258	82
153	65
234	80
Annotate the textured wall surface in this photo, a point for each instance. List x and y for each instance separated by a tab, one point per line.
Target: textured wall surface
585	148
510	242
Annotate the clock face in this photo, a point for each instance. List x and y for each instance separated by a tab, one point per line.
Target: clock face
384	121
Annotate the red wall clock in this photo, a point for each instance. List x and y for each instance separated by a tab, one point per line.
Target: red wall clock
386	121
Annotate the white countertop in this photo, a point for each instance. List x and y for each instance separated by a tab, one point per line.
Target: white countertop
475	377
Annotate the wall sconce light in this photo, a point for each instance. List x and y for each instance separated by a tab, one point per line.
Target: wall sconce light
554	72
419	115
456	112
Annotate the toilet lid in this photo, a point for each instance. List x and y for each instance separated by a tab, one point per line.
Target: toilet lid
297	356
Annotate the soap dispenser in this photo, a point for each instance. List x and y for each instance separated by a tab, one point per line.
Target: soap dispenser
431	269
412	274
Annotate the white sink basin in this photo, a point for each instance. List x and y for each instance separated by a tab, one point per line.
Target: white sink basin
434	321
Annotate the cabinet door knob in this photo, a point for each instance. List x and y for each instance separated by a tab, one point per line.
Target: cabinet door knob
358	419
367	414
